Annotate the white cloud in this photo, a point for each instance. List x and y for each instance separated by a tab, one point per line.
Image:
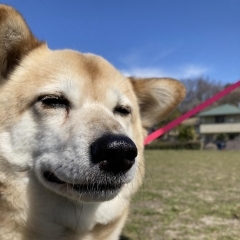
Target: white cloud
192	71
145	72
151	54
188	71
145	62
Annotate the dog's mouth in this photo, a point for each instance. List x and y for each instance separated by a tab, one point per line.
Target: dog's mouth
83	188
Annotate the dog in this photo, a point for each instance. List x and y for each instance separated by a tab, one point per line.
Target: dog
71	137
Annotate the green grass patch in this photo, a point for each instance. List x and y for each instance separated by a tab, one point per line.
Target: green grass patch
187	195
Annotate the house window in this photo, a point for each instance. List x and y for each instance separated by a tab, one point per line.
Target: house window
219	119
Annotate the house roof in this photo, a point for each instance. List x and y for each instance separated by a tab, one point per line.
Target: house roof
226	109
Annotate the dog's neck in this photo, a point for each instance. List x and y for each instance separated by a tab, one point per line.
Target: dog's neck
44	212
46	207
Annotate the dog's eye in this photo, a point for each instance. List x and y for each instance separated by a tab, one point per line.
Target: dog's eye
122	110
52	101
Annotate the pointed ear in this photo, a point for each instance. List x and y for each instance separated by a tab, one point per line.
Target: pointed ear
157	97
16	40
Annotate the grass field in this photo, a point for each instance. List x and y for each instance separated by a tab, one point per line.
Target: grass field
187	195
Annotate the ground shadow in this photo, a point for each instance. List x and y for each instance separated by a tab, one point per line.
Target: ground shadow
122	237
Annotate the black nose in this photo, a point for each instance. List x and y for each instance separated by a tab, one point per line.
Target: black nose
114	153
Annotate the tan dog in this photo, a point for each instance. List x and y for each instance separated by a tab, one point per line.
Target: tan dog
71	138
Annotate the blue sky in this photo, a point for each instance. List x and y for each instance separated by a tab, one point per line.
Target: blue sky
161	38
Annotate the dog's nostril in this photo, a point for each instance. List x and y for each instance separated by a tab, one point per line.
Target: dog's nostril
114	153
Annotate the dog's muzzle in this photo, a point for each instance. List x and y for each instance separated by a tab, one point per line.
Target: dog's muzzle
112	157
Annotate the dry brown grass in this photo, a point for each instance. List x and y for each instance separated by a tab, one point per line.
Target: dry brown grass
187	195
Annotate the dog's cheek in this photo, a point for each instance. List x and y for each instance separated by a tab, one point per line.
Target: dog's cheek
17	143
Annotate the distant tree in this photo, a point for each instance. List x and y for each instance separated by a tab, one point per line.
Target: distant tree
198	91
232	98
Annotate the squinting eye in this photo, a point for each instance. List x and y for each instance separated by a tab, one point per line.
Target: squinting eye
122	110
53	101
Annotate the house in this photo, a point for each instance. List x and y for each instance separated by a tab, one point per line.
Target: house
221	120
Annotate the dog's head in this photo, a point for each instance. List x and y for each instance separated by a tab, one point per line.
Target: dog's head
72	121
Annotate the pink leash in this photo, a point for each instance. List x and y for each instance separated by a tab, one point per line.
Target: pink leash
190	113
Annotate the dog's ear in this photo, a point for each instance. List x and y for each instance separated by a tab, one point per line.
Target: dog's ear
16	40
157	97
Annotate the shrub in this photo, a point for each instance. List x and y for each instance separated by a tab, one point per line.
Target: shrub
193	145
186	133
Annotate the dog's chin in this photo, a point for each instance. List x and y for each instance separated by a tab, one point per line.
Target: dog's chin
90	192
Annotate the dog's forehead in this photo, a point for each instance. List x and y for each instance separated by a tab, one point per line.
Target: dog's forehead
87	71
88	67
80	76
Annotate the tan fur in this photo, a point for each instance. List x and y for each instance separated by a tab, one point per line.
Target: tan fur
32	136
